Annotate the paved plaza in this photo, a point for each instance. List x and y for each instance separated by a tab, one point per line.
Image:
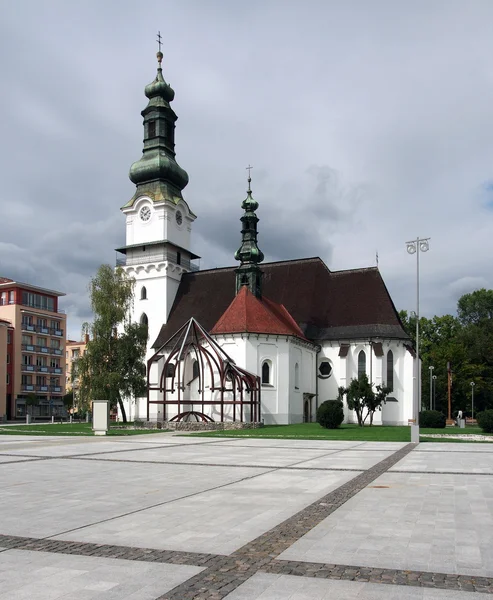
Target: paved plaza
173	517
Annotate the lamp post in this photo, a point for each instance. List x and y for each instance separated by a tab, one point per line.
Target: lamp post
431	386
415	247
434	391
472	399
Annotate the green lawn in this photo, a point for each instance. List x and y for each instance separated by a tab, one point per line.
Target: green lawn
81	429
313	431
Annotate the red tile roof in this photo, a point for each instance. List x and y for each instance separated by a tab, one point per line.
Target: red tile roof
250	315
6	280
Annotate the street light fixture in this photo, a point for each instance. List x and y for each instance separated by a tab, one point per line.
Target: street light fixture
416	247
472	399
431	385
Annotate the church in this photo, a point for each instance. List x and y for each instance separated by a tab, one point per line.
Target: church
253	343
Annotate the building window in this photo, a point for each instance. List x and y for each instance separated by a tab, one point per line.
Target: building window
296	376
195	369
266	372
143	293
41	341
42	323
27	339
41	361
55	343
27	320
8	359
8	378
9	337
170	370
324	369
152	129
144	320
361	363
27	359
11	297
4	298
390	370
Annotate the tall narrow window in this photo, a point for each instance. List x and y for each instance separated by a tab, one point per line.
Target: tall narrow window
266	372
390	370
152	129
144	320
143	293
361	363
195	369
296	376
178	258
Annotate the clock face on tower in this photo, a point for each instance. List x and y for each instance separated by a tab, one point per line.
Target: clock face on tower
145	213
179	217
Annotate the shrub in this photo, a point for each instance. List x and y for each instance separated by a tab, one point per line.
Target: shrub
485	420
431	419
330	414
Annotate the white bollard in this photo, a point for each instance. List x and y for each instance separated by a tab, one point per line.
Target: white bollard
28	419
52	419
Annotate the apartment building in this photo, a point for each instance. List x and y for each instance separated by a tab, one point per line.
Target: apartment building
35	348
73	351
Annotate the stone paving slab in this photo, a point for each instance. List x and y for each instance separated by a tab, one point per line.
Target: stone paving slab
217	455
455	447
426	522
53	496
27	575
264	586
442	462
219	521
349	459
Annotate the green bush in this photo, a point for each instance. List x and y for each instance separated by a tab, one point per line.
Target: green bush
485	421
330	414
432	419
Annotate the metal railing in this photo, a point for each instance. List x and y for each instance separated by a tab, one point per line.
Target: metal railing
41	329
43	389
41	349
156	257
41	369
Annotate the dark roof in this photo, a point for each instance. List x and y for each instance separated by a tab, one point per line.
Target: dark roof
338	305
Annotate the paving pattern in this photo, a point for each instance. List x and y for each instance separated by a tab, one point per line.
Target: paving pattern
174	517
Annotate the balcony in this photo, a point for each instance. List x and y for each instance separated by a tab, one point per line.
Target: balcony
128	261
44	330
42	389
41	369
39	307
42	349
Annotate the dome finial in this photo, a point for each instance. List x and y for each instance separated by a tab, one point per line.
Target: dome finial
159	54
249	169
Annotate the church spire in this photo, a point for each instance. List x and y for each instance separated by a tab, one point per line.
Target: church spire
249	254
157	174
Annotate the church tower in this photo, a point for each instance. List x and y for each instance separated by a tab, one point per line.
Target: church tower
249	254
158	220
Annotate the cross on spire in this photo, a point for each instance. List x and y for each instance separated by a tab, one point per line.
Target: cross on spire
159	40
249	169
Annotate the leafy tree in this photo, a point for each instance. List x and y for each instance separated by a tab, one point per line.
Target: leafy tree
112	367
476	308
361	397
31	401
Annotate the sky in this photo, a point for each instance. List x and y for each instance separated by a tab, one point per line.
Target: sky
368	124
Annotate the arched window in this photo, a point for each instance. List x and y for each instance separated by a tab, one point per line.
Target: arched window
361	363
170	370
296	376
266	372
144	320
143	293
195	369
390	370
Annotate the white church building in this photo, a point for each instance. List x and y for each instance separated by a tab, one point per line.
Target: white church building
258	341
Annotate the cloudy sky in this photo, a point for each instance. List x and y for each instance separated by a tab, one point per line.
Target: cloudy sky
368	123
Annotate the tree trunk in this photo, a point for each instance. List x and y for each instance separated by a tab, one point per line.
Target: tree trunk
371	418
122	410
